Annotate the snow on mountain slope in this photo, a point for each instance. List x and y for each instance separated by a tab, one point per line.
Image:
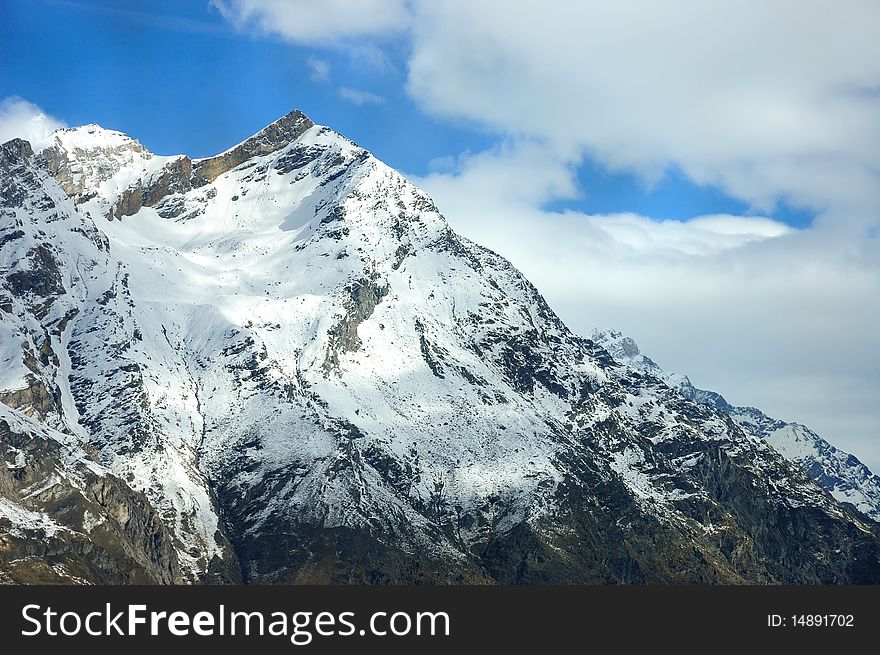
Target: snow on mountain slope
91	162
840	473
312	378
60	280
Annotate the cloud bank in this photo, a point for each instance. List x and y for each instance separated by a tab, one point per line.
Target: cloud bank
768	100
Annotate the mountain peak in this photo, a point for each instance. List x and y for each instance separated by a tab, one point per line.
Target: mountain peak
275	135
284	130
92	137
271	138
310	377
616	343
14	150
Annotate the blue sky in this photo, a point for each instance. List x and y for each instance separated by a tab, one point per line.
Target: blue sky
703	176
179	78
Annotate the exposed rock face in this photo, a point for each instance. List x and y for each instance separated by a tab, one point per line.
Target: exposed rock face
65	519
363	296
272	138
13	151
32	400
181	174
311	378
840	473
175	177
81	165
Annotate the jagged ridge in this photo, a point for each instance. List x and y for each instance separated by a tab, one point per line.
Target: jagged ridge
841	474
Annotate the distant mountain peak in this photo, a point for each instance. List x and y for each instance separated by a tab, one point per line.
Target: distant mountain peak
92	137
840	473
615	342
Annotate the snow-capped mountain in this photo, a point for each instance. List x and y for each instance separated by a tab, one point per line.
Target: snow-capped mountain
299	373
841	474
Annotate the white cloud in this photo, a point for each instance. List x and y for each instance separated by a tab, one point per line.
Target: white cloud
358	97
515	170
311	22
319	70
704	235
767	99
22	119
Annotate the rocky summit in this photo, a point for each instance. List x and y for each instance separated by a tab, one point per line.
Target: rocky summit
280	365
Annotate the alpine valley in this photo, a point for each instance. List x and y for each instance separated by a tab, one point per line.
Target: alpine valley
280	365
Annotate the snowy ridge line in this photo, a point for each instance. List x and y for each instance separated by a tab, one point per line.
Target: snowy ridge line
838	472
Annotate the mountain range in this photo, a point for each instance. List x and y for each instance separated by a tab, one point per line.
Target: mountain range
280	365
841	474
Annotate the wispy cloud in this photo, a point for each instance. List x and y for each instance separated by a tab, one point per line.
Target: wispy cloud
308	21
368	56
149	19
319	70
360	98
